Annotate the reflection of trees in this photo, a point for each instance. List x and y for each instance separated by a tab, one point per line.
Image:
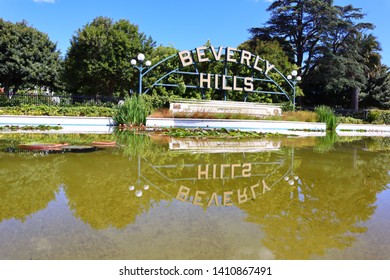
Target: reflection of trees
98	189
325	208
336	192
28	184
377	144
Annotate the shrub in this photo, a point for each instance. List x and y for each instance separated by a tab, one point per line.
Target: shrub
5	101
326	114
301	116
156	101
133	111
349	120
379	116
287	106
45	110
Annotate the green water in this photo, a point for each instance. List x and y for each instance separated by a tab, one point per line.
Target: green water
161	198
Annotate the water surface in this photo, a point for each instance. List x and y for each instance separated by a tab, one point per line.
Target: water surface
161	198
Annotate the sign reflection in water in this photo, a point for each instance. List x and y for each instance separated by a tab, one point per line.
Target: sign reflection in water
287	199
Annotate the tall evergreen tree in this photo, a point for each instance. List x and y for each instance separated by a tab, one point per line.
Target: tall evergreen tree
335	56
346	41
301	23
349	58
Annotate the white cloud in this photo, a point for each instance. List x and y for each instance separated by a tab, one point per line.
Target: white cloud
44	1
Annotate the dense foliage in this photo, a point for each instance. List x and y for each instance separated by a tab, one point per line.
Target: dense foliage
329	45
47	110
98	60
379	117
339	61
270	50
28	59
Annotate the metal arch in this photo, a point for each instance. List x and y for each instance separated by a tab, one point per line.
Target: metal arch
163	77
194	63
283	92
160	62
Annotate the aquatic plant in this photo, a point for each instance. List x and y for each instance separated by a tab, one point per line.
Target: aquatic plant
326	144
326	114
133	111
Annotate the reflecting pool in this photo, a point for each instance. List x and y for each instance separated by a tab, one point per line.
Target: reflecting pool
162	198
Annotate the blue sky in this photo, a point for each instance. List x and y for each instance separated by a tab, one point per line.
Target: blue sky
181	23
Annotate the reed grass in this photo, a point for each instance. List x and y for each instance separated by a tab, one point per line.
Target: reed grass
133	111
326	114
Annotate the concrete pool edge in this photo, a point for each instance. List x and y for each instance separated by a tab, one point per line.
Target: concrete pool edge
280	127
69	124
72	124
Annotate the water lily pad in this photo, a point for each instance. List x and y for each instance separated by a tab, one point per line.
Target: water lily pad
42	146
79	149
103	144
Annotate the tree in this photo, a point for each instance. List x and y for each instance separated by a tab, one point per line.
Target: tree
159	54
359	51
98	60
349	60
377	91
368	48
335	56
270	50
299	22
27	57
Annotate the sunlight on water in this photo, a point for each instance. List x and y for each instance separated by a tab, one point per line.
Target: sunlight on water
162	198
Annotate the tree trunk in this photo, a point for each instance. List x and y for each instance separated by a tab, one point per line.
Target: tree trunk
6	90
355	99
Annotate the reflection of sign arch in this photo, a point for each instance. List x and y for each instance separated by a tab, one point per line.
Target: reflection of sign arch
262	72
251	179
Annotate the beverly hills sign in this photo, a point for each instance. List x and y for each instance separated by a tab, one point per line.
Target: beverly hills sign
233	55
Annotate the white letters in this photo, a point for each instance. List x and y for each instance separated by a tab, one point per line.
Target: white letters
183	194
204	173
201	53
235	87
225	82
245	56
248	84
229	54
268	67
256	65
216	81
203	80
185	58
218	55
